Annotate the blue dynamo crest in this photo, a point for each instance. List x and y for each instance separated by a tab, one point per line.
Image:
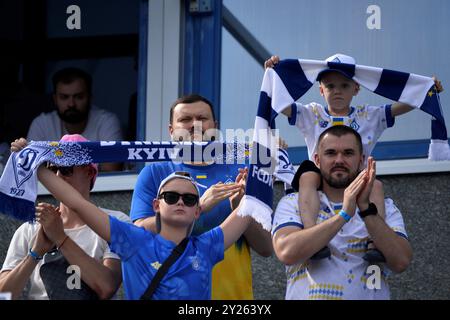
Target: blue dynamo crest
25	162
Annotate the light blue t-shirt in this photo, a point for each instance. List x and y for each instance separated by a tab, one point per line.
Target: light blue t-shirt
143	252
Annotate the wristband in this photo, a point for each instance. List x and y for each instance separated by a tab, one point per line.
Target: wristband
34	255
62	242
344	215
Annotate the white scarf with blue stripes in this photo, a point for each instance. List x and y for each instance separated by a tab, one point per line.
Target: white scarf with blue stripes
292	78
18	183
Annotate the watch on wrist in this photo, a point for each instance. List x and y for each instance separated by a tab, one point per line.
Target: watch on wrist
371	210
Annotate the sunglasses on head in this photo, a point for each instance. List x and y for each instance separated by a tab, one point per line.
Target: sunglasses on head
65	171
172	197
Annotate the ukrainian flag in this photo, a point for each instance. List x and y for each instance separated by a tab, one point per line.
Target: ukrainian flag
338	121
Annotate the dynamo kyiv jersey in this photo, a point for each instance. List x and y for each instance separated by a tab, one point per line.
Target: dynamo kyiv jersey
232	277
344	275
313	119
143	252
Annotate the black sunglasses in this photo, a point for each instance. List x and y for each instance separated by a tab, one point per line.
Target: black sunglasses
65	171
172	197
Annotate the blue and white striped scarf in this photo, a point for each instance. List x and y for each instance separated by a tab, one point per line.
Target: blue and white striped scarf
18	183
292	78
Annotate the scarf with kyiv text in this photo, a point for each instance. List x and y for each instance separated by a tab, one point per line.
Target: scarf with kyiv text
18	183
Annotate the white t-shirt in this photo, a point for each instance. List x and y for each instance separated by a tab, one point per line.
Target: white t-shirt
84	237
313	119
344	275
102	125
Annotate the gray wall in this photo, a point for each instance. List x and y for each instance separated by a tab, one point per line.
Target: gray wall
424	201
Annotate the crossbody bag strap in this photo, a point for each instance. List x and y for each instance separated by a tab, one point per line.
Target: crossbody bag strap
174	255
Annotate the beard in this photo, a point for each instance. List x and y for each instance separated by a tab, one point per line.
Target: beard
340	180
73	115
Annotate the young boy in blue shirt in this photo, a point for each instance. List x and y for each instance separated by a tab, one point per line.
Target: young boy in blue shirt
143	252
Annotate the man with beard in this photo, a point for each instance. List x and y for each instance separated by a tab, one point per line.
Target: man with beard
221	189
347	219
74	114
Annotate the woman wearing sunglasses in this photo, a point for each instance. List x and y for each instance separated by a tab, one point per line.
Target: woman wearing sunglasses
143	252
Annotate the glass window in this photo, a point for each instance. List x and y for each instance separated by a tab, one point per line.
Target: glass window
41	43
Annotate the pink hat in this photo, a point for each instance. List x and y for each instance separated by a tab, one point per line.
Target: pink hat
80	138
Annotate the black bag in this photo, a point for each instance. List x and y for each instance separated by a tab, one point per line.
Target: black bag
174	255
54	275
